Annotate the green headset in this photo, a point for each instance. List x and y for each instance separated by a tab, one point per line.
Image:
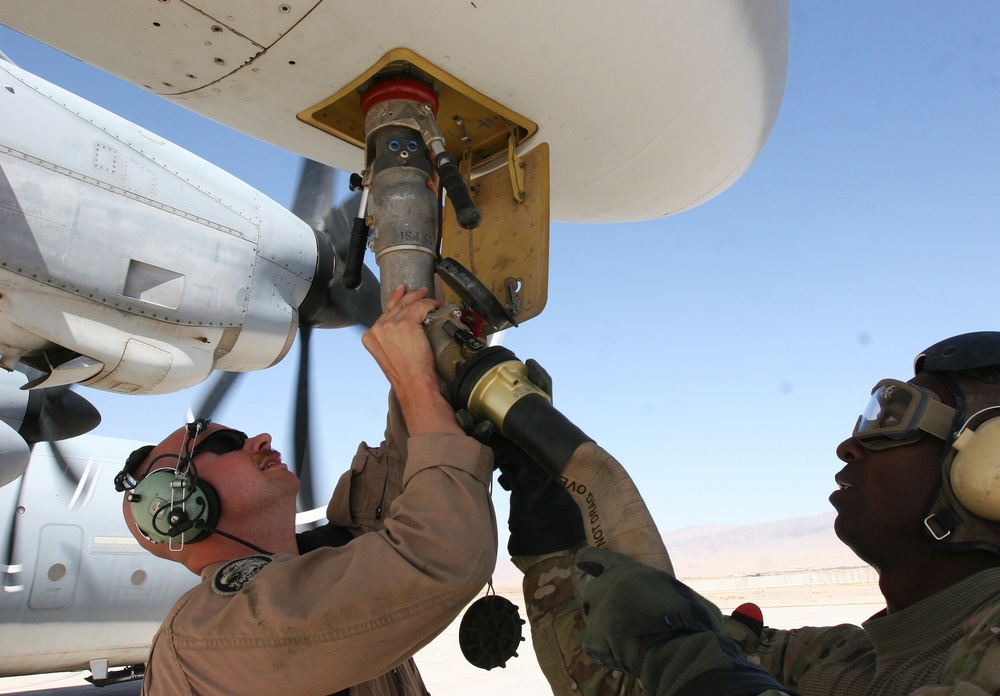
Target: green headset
170	505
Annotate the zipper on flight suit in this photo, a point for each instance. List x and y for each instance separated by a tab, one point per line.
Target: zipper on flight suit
385	485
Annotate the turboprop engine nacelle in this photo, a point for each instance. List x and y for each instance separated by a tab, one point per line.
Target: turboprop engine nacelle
129	264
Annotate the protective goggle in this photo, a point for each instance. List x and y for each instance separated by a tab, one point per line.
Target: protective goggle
900	413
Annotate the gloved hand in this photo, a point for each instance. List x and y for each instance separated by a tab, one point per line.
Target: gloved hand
322	537
648	624
543	516
483	430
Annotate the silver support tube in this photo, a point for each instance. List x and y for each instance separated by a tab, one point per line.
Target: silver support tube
403	210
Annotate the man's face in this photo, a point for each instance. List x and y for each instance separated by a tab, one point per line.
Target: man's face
883	495
250	480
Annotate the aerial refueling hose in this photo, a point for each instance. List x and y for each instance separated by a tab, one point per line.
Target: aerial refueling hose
493	384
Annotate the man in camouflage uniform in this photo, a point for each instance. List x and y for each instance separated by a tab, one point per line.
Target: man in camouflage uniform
918	498
545	528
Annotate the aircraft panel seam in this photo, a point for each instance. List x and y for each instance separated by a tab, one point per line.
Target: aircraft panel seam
117	190
54	97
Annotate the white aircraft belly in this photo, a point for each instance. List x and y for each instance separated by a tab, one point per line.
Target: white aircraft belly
649	108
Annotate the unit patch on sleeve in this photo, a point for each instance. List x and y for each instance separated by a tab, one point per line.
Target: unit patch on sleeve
233	576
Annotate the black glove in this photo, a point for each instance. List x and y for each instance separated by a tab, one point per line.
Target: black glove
321	537
481	430
644	622
543	516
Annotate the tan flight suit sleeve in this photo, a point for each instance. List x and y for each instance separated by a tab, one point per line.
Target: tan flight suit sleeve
361	499
360	503
336	617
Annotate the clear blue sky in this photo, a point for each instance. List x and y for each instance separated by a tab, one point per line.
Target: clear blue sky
720	354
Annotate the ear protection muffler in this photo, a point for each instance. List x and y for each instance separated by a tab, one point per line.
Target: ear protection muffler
171	506
975	469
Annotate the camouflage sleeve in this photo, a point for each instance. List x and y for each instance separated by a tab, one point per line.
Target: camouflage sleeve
789	655
557	631
973	664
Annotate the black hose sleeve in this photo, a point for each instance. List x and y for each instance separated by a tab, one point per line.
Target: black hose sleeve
355	255
532	422
546	435
468	215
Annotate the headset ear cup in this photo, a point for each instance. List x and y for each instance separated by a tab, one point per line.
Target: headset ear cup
975	470
150	505
211	510
147	499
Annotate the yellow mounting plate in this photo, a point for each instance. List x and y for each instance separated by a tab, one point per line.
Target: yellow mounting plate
472	123
509	250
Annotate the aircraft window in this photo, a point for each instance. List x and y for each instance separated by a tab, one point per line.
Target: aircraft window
138	577
57	571
106	544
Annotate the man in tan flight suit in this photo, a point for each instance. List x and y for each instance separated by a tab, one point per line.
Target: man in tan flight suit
337	618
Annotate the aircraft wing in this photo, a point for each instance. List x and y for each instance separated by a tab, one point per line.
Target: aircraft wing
648	108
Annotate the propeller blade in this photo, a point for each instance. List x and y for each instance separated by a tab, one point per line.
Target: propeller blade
329	304
364	304
14	455
361	306
12	570
301	461
339	221
57	413
314	195
217	391
64	468
38	415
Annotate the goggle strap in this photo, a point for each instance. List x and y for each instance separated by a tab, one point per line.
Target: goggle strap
940	524
936	419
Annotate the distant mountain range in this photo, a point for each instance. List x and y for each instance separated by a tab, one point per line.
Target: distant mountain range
801	543
716	550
